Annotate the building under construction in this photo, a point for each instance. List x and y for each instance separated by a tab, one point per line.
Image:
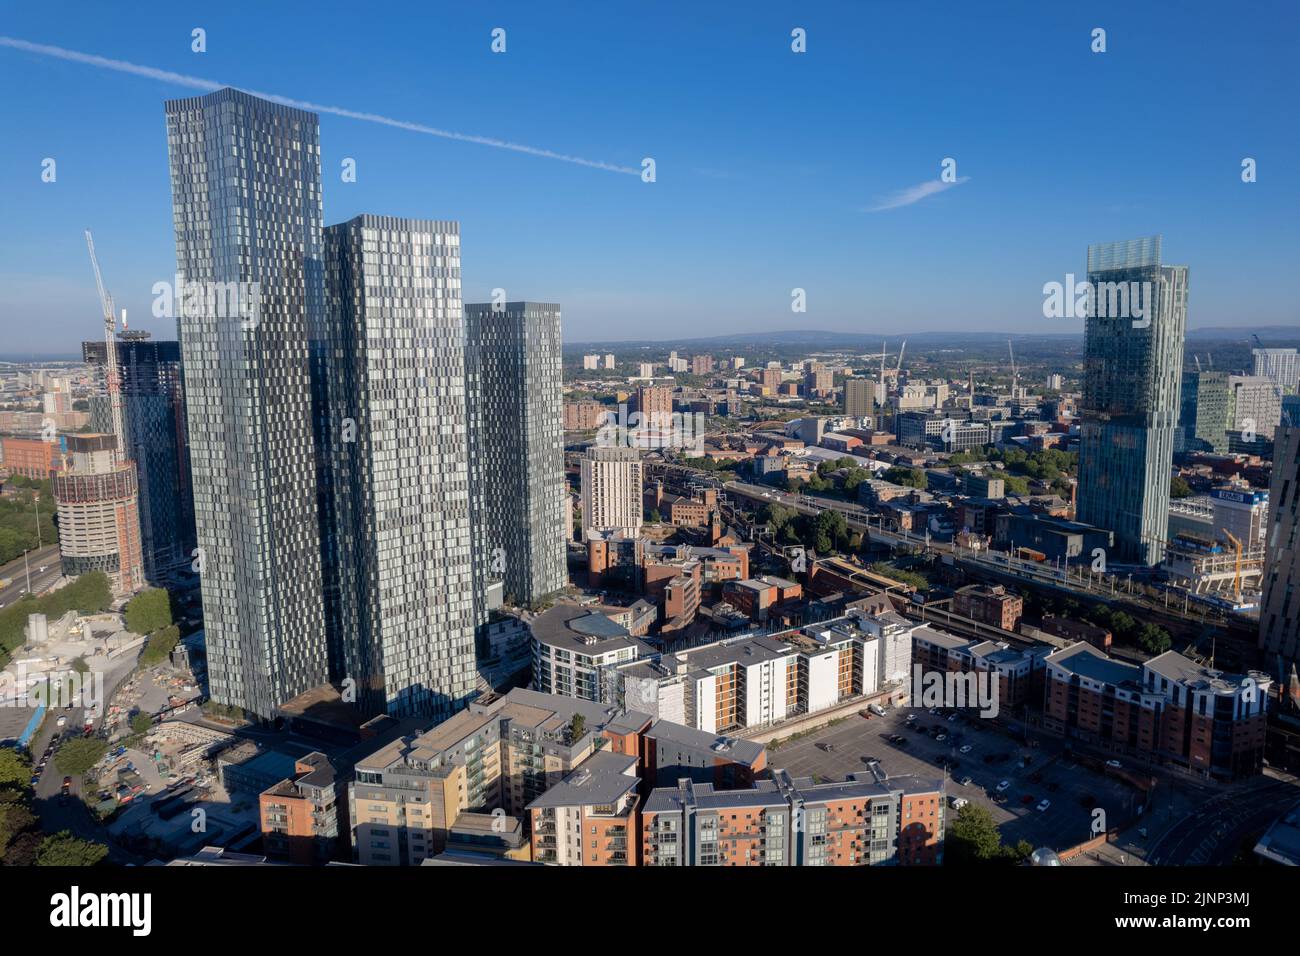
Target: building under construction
99	513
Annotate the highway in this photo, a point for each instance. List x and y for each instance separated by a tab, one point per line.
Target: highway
47	557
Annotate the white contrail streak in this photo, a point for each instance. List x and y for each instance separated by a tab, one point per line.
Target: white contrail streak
198	83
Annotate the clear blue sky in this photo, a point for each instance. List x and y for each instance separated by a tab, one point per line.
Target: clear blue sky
768	162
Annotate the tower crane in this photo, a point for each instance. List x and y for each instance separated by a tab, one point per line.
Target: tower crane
110	359
1015	373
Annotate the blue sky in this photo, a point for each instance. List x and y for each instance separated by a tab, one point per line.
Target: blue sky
768	162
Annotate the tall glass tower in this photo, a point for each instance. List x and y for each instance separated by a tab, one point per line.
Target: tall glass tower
246	200
1132	373
517	445
399	568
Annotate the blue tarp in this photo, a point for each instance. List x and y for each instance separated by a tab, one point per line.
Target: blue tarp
32	726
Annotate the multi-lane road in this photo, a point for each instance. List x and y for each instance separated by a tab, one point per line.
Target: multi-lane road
42	567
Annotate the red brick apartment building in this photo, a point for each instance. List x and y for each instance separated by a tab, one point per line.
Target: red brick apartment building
1170	710
31	457
989	604
1020	671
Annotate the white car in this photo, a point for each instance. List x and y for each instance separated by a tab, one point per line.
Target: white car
1004	786
940	737
1114	764
964	781
957	802
61	722
1043	805
965	749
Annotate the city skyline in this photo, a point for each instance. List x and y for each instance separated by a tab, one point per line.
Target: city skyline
738	272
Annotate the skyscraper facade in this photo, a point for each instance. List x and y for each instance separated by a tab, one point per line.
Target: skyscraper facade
399	562
1132	375
153	424
246	199
1206	412
517	446
1279	616
1256	406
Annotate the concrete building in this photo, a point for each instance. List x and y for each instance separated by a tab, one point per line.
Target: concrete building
1282	366
859	398
1132	375
611	490
1255	405
517	447
498	755
575	651
99	513
249	400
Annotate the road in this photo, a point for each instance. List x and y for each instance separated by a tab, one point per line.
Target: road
1214	832
46	557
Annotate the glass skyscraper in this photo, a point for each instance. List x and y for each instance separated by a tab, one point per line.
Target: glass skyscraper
517	446
400	568
153	425
246	199
1132	374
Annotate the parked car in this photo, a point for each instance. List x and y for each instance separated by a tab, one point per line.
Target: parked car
957	802
1114	764
965	749
964	781
1004	786
1027	799
1043	805
940	737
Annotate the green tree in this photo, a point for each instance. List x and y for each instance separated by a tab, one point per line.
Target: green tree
64	849
148	611
15	819
15	769
577	727
910	477
77	756
1154	639
1179	488
159	645
141	722
973	837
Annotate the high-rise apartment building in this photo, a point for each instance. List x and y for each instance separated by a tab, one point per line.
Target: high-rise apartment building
1282	366
858	397
1132	374
1279	616
1255	406
517	446
99	513
611	489
1206	411
655	403
246	200
399	542
156	439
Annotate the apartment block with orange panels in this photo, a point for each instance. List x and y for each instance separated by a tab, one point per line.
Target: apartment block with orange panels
590	817
787	821
1169	709
1020	671
304	816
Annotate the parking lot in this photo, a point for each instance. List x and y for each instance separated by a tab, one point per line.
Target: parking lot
906	747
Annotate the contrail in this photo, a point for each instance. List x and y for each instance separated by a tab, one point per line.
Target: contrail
198	83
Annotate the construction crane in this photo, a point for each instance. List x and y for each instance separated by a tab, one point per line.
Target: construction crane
1015	374
1236	577
900	358
1198	362
110	358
